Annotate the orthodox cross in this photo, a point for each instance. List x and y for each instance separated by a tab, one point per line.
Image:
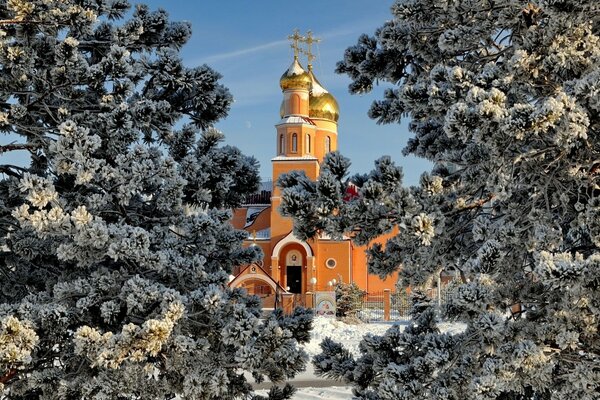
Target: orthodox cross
295	38
309	39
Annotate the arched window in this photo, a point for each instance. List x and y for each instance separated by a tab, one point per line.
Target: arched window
307	143
294	143
327	144
281	144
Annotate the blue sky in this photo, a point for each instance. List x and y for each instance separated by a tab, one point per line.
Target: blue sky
246	42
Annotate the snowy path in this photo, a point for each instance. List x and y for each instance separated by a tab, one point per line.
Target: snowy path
330	393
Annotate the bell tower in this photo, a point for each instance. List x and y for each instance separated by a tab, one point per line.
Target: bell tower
306	132
296	134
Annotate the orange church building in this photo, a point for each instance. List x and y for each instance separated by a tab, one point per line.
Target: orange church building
306	132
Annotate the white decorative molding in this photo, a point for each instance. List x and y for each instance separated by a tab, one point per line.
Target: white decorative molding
296	120
290	238
237	282
299	158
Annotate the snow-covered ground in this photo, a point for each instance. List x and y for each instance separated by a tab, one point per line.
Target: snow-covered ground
350	336
329	393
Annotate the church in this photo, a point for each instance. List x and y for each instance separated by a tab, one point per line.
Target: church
305	133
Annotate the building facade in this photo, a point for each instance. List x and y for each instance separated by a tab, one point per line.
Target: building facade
305	133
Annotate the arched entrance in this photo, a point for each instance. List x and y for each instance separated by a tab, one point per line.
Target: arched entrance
257	286
293	258
255	280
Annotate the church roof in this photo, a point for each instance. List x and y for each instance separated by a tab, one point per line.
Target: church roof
322	104
296	119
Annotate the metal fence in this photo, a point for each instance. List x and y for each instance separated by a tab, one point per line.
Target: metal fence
400	306
373	305
440	295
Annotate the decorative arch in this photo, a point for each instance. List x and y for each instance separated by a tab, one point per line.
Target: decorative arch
294	143
327	144
308	143
281	144
248	278
291	238
257	273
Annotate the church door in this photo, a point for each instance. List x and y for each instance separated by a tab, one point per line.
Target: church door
294	278
294	261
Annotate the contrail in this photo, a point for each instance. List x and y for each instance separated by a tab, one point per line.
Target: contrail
241	52
255	49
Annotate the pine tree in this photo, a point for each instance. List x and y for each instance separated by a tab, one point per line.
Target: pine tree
502	97
115	240
348	299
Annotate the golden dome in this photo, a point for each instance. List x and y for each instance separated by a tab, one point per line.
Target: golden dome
282	109
295	77
322	104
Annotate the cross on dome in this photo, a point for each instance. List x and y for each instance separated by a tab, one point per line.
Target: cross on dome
309	39
295	38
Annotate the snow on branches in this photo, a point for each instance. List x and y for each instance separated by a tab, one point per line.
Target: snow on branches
502	97
116	244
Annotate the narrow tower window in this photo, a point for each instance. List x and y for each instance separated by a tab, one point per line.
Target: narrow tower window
281	144
294	143
307	143
327	144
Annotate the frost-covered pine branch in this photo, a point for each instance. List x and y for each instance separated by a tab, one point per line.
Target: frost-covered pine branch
502	97
115	240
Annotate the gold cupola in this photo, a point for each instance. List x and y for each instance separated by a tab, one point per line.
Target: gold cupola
322	104
295	77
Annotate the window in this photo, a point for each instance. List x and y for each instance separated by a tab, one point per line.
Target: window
294	143
307	143
281	144
331	263
327	144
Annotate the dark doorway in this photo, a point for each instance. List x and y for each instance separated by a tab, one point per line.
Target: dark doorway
294	278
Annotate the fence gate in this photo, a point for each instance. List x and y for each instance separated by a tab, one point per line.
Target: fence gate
371	308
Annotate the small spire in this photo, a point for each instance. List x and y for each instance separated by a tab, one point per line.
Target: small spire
309	39
295	38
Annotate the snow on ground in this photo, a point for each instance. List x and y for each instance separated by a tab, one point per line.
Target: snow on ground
329	393
350	336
